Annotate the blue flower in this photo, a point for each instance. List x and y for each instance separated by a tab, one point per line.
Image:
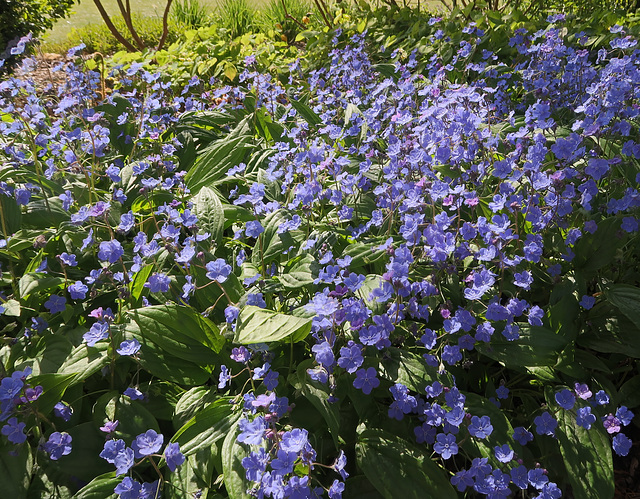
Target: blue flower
158	283
252	432
134	393
218	270
111	450
128	488
110	251
503	453
480	427
129	347
58	445
56	303
14	431
545	424
173	456
622	444
584	417
566	399
147	443
67	259
78	290
99	331
253	228
366	380
294	440
63	411
124	461
446	445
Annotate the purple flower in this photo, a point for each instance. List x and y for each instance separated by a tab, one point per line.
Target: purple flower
158	283
324	354
622	444
14	431
503	453
173	456
294	440
110	251
584	417
218	270
283	464
252	432
366	380
134	393
67	259
109	426
480	427
129	347
522	436
78	290
147	443
99	331
63	411
611	424
58	445
253	229
128	488
545	424
582	391
566	399
587	302
225	377
55	303
446	445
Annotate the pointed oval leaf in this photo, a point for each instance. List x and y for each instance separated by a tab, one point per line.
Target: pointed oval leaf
257	325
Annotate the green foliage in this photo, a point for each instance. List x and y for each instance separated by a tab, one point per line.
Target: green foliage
20	17
236	16
189	13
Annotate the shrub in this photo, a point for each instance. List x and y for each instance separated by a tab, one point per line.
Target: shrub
236	16
20	17
189	13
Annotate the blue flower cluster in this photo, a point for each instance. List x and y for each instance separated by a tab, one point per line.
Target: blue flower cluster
418	215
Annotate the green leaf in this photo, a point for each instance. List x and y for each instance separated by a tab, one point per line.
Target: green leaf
15	471
273	244
629	393
397	468
134	418
305	112
84	361
207	427
318	395
537	346
594	251
84	459
410	369
257	325
100	487
502	433
53	388
210	213
234	472
12	215
136	286
216	160
627	299
34	282
191	402
587	456
181	331
185	483
159	362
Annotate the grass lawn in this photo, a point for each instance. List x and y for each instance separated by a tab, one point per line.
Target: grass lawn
86	13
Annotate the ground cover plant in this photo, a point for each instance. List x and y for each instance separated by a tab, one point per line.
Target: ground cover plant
405	276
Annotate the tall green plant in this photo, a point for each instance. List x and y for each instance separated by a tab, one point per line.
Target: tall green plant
237	16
